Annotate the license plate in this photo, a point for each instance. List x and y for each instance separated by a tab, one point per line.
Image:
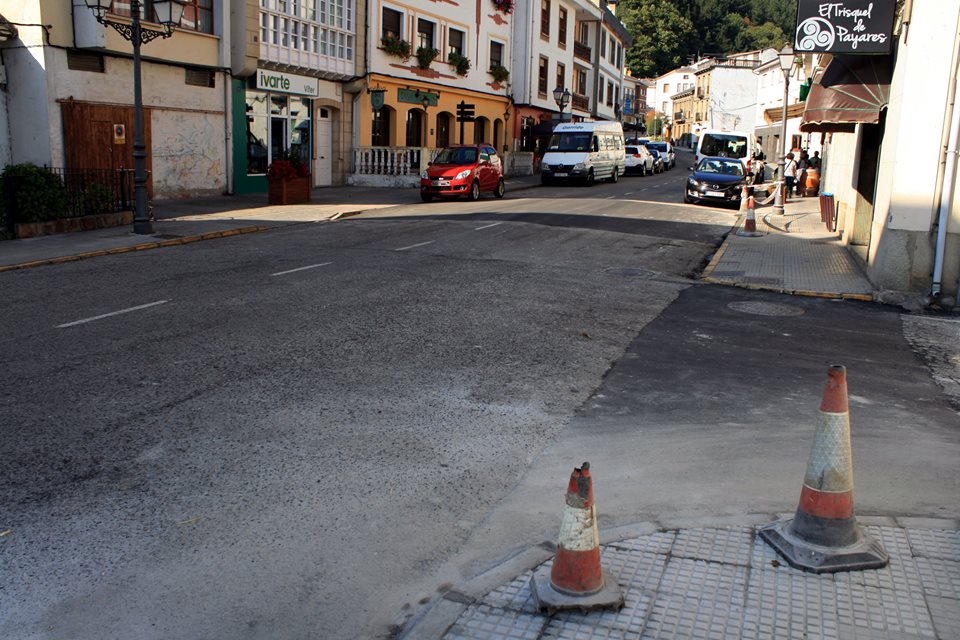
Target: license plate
559	175
715	194
440	183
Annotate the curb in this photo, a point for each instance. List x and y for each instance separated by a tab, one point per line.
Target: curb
444	611
145	246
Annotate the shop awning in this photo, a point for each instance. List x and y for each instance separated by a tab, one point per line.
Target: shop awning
851	90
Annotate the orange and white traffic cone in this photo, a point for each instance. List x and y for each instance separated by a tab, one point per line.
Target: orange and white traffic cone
823	536
749	228
744	193
576	580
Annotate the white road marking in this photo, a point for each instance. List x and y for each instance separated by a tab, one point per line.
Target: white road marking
487	226
419	244
312	266
628	193
108	315
611	197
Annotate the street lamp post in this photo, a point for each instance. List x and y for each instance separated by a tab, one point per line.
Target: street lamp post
168	13
562	97
786	65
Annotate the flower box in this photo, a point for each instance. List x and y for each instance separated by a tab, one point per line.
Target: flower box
294	190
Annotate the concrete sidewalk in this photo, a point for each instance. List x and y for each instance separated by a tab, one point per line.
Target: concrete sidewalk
794	254
196	219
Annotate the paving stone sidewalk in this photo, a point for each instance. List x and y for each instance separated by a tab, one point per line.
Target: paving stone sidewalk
794	254
726	583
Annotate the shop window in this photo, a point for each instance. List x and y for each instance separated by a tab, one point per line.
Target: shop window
390	24
380	131
443	129
455	41
414	128
277	127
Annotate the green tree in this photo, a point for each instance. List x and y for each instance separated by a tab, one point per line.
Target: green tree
661	36
761	36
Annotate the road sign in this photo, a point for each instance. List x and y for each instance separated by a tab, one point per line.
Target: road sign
465	112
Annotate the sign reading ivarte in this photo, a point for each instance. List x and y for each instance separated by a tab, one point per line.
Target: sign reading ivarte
851	27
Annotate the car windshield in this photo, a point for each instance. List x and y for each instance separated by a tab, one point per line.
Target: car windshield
659	146
723	145
721	167
569	142
456	155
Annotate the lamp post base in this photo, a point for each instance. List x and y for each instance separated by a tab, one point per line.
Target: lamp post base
142	227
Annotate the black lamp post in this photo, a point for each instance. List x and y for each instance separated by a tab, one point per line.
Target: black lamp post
562	96
168	13
786	65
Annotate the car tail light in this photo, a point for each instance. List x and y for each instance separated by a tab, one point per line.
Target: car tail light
636	155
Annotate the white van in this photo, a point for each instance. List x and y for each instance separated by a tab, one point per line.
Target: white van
725	144
586	151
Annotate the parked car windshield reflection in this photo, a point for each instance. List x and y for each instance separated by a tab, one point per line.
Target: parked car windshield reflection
722	167
456	155
569	142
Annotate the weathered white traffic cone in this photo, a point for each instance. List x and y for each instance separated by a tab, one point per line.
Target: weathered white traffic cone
823	536
576	580
743	198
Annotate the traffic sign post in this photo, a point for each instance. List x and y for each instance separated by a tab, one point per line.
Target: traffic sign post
465	113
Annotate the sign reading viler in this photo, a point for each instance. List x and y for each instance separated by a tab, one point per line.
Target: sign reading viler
850	27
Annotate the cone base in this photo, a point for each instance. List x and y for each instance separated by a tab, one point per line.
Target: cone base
545	597
866	553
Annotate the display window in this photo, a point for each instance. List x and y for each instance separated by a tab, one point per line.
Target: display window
278	126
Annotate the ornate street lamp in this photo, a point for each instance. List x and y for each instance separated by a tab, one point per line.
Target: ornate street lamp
562	97
786	65
168	14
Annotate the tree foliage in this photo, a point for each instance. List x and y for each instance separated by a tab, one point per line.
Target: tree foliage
668	34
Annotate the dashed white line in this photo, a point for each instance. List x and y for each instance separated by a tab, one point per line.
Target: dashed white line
487	226
611	197
628	193
419	244
114	313
312	266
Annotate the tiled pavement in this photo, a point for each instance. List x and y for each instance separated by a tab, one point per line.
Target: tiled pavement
725	583
793	254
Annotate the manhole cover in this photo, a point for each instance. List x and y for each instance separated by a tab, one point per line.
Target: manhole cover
766	308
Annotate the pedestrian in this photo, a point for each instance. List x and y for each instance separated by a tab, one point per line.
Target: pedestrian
815	161
803	164
790	172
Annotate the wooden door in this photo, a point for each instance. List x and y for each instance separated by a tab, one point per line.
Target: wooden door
89	137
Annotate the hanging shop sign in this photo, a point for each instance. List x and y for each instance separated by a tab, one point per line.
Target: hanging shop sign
851	27
416	97
287	83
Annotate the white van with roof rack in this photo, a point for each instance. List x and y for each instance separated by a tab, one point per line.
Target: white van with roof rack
586	151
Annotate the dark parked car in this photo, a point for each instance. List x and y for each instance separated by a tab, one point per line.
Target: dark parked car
716	180
658	166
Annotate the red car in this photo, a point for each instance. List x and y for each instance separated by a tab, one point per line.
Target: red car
463	170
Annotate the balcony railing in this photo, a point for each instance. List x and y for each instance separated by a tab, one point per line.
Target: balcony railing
580	102
581	51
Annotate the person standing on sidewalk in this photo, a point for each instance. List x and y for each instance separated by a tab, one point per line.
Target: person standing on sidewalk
789	173
802	166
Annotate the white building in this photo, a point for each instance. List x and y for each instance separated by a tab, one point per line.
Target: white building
891	162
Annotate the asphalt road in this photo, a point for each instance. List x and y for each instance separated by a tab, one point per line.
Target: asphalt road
284	434
311	432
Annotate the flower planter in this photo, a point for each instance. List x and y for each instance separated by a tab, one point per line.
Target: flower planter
289	190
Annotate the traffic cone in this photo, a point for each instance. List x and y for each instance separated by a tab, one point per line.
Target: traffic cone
823	536
743	198
576	580
749	228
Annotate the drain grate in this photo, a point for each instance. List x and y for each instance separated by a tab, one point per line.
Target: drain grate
772	309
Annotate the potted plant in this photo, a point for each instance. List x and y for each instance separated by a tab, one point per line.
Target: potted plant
460	63
504	6
499	72
426	55
288	181
394	46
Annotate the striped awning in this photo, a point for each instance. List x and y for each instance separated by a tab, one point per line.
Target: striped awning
851	90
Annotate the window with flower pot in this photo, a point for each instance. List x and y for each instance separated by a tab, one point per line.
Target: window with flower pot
391	24
496	54
455	41
425	29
